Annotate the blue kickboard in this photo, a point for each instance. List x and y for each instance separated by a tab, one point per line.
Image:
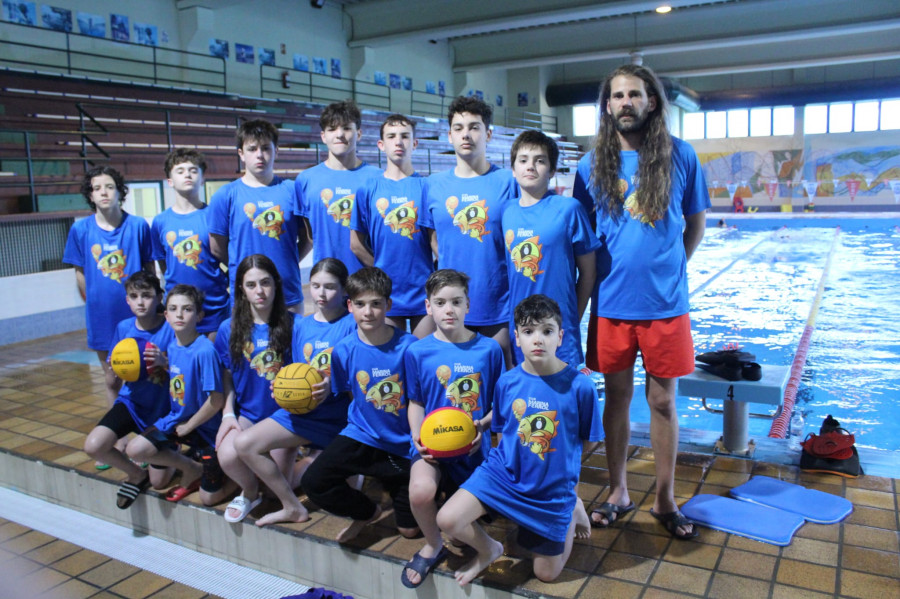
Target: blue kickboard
815	506
743	518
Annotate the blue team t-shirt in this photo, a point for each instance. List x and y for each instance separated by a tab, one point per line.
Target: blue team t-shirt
314	340
108	258
530	476
542	242
465	213
260	220
194	373
387	211
252	374
312	343
182	240
641	263
146	398
440	374
375	376
325	197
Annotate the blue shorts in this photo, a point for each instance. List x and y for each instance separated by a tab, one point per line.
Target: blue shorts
318	427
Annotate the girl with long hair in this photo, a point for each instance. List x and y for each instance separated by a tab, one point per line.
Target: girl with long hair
253	345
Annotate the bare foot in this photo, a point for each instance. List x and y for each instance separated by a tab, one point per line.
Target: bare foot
356	526
284	515
481	561
582	522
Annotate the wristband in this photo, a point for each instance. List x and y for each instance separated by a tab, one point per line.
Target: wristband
229	415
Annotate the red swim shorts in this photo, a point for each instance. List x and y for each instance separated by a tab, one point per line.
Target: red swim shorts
666	346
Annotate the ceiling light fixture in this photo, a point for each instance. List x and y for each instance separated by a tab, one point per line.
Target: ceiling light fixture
665	8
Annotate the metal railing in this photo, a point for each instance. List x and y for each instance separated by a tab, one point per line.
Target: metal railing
77	54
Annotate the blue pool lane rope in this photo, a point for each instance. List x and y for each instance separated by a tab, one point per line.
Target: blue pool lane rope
780	424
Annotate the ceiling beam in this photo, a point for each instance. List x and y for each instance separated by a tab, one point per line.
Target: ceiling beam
395	21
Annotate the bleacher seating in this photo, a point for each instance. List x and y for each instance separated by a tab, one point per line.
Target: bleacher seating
71	122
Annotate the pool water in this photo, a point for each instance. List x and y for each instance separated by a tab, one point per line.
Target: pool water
755	285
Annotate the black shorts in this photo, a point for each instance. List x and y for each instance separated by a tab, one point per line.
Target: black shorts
325	481
536	543
213	477
119	420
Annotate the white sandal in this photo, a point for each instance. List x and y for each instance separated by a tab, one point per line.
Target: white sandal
243	505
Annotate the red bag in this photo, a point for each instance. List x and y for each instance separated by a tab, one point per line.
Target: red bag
833	445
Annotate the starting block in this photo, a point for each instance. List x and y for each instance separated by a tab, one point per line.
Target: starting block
736	396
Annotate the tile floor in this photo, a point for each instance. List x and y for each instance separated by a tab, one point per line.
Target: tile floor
48	405
39	566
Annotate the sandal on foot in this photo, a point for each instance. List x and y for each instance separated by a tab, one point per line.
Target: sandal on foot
675	520
423	566
178	493
99	466
128	492
608	510
243	505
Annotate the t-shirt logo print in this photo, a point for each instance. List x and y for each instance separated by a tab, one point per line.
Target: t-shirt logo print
269	223
187	251
266	364
321	361
633	206
112	265
385	395
537	430
471	219
463	393
176	389
526	255
401	219
340	209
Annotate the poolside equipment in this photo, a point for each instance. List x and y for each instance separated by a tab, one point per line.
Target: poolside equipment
832	451
742	518
736	396
781	423
127	359
447	432
815	506
293	388
767	509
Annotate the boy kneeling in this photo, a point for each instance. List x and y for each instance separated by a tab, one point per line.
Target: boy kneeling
542	408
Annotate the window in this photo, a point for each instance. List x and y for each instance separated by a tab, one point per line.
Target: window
737	123
715	125
840	118
783	120
760	122
815	119
692	126
865	116
584	120
890	114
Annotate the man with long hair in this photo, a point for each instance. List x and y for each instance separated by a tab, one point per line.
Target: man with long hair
651	198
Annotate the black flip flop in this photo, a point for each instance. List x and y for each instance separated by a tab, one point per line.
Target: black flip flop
608	510
128	492
673	521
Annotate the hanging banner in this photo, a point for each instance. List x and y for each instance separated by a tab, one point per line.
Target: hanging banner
895	187
811	187
852	187
772	189
869	181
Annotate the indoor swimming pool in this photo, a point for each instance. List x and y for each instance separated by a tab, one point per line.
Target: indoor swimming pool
754	285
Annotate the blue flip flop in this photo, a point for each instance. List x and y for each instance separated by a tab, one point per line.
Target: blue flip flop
423	566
